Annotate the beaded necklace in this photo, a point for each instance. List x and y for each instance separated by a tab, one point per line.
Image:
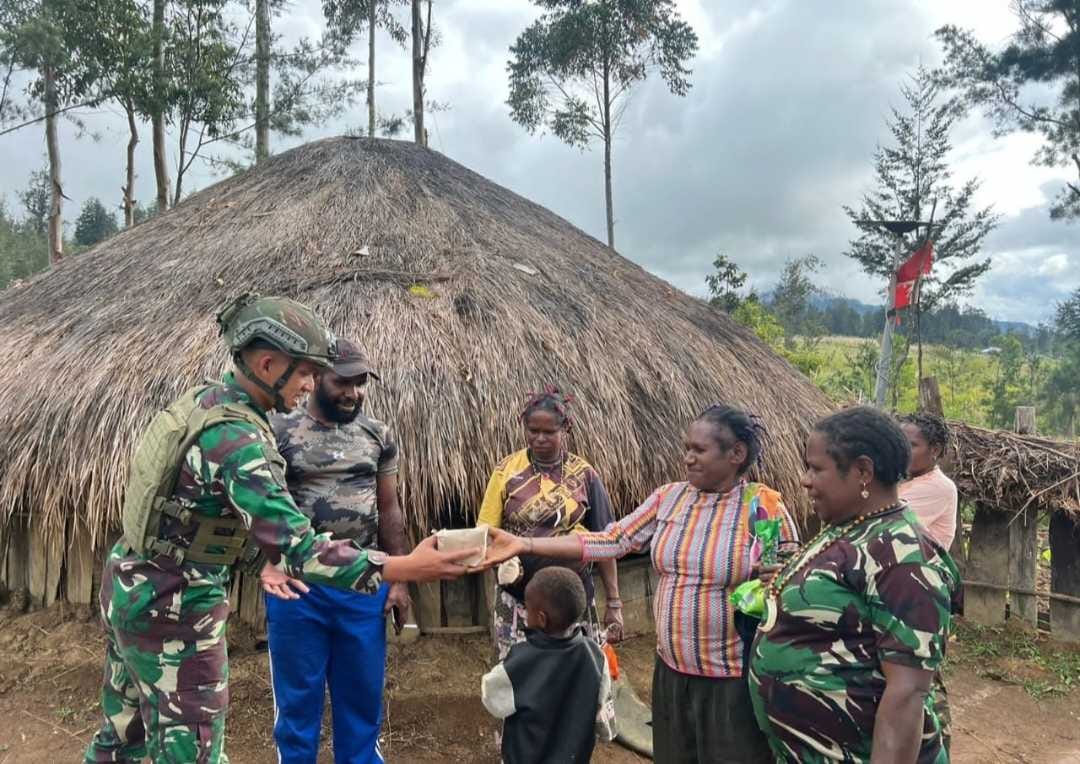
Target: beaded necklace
781	579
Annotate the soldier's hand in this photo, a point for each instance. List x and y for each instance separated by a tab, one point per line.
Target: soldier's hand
280	585
426	563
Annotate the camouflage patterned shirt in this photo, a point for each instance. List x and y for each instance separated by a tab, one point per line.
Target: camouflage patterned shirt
232	470
332	471
881	592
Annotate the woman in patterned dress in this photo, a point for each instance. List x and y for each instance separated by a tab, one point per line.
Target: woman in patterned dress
543	490
699	533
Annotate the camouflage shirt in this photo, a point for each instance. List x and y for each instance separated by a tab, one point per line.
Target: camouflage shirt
232	470
332	471
881	592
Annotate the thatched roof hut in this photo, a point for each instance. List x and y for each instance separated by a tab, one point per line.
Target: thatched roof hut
466	295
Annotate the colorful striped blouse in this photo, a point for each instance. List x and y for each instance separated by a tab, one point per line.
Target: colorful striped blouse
700	544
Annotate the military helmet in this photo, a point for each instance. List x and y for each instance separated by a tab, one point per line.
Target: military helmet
283	324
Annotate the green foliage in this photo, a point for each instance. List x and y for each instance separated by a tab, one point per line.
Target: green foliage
725	283
571	65
1067	317
791	298
95	223
1018	655
1031	83
1007	390
36	199
24	250
756	317
911	174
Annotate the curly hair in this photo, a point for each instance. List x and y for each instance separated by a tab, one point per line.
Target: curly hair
865	431
561	594
747	428
550	399
933	428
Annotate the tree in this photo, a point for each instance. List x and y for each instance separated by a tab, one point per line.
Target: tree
421	46
913	178
791	298
41	39
346	18
572	70
724	284
36	198
1067	317
95	223
1031	84
202	56
24	249
1007	389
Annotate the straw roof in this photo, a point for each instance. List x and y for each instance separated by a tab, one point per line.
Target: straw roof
1009	472
466	295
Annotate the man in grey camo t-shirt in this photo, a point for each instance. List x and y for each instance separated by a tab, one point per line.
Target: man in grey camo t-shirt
342	472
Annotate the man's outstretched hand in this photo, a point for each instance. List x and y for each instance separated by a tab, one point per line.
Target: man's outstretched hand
278	584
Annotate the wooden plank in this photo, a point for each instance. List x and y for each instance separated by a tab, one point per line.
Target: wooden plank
1023	566
988	560
428	603
930	396
18	563
79	566
46	561
1065	576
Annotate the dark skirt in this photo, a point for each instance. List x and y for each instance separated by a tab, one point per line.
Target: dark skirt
700	720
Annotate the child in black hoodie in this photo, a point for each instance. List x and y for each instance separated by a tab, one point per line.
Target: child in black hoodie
553	690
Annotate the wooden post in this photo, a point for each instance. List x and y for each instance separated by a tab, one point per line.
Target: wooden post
1065	575
988	562
930	396
1025	420
79	583
1024	543
429	606
18	562
46	559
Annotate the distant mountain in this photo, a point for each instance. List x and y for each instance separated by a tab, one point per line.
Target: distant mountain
825	301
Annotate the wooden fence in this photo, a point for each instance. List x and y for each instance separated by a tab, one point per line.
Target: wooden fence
1002	563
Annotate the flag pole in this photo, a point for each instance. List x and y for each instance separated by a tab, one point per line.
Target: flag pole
881	388
918	293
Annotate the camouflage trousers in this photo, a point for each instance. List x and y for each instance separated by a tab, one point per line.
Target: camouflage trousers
163	698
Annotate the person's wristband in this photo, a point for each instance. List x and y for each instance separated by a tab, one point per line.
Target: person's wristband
614	603
528	545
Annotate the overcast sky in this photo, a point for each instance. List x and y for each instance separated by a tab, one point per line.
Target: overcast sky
789	100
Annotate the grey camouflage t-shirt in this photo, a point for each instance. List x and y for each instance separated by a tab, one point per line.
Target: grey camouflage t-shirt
332	471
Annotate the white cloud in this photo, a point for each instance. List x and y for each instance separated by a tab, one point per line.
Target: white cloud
788	103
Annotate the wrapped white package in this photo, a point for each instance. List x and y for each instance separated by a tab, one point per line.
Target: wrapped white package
510	572
464	538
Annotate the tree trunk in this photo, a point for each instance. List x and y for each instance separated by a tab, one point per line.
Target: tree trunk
607	157
157	115
56	220
418	75
371	69
129	186
262	80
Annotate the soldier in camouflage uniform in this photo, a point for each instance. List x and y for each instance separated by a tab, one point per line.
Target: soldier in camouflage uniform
342	471
855	625
165	689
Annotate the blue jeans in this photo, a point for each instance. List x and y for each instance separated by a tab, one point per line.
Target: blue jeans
328	638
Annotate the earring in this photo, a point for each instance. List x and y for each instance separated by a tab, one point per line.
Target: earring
865	493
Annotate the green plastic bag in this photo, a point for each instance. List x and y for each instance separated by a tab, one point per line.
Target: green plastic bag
749	598
768	535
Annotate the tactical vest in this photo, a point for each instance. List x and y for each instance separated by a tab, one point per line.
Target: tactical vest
155	470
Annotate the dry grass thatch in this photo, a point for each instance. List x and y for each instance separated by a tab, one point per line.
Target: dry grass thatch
512	296
1010	472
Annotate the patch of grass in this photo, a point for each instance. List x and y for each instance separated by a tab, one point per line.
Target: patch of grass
1018	655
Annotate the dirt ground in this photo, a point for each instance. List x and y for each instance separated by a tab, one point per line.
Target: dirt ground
50	673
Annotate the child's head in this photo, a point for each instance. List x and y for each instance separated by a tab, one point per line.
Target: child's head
554	600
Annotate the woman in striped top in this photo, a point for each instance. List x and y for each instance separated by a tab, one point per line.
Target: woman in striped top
700	536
